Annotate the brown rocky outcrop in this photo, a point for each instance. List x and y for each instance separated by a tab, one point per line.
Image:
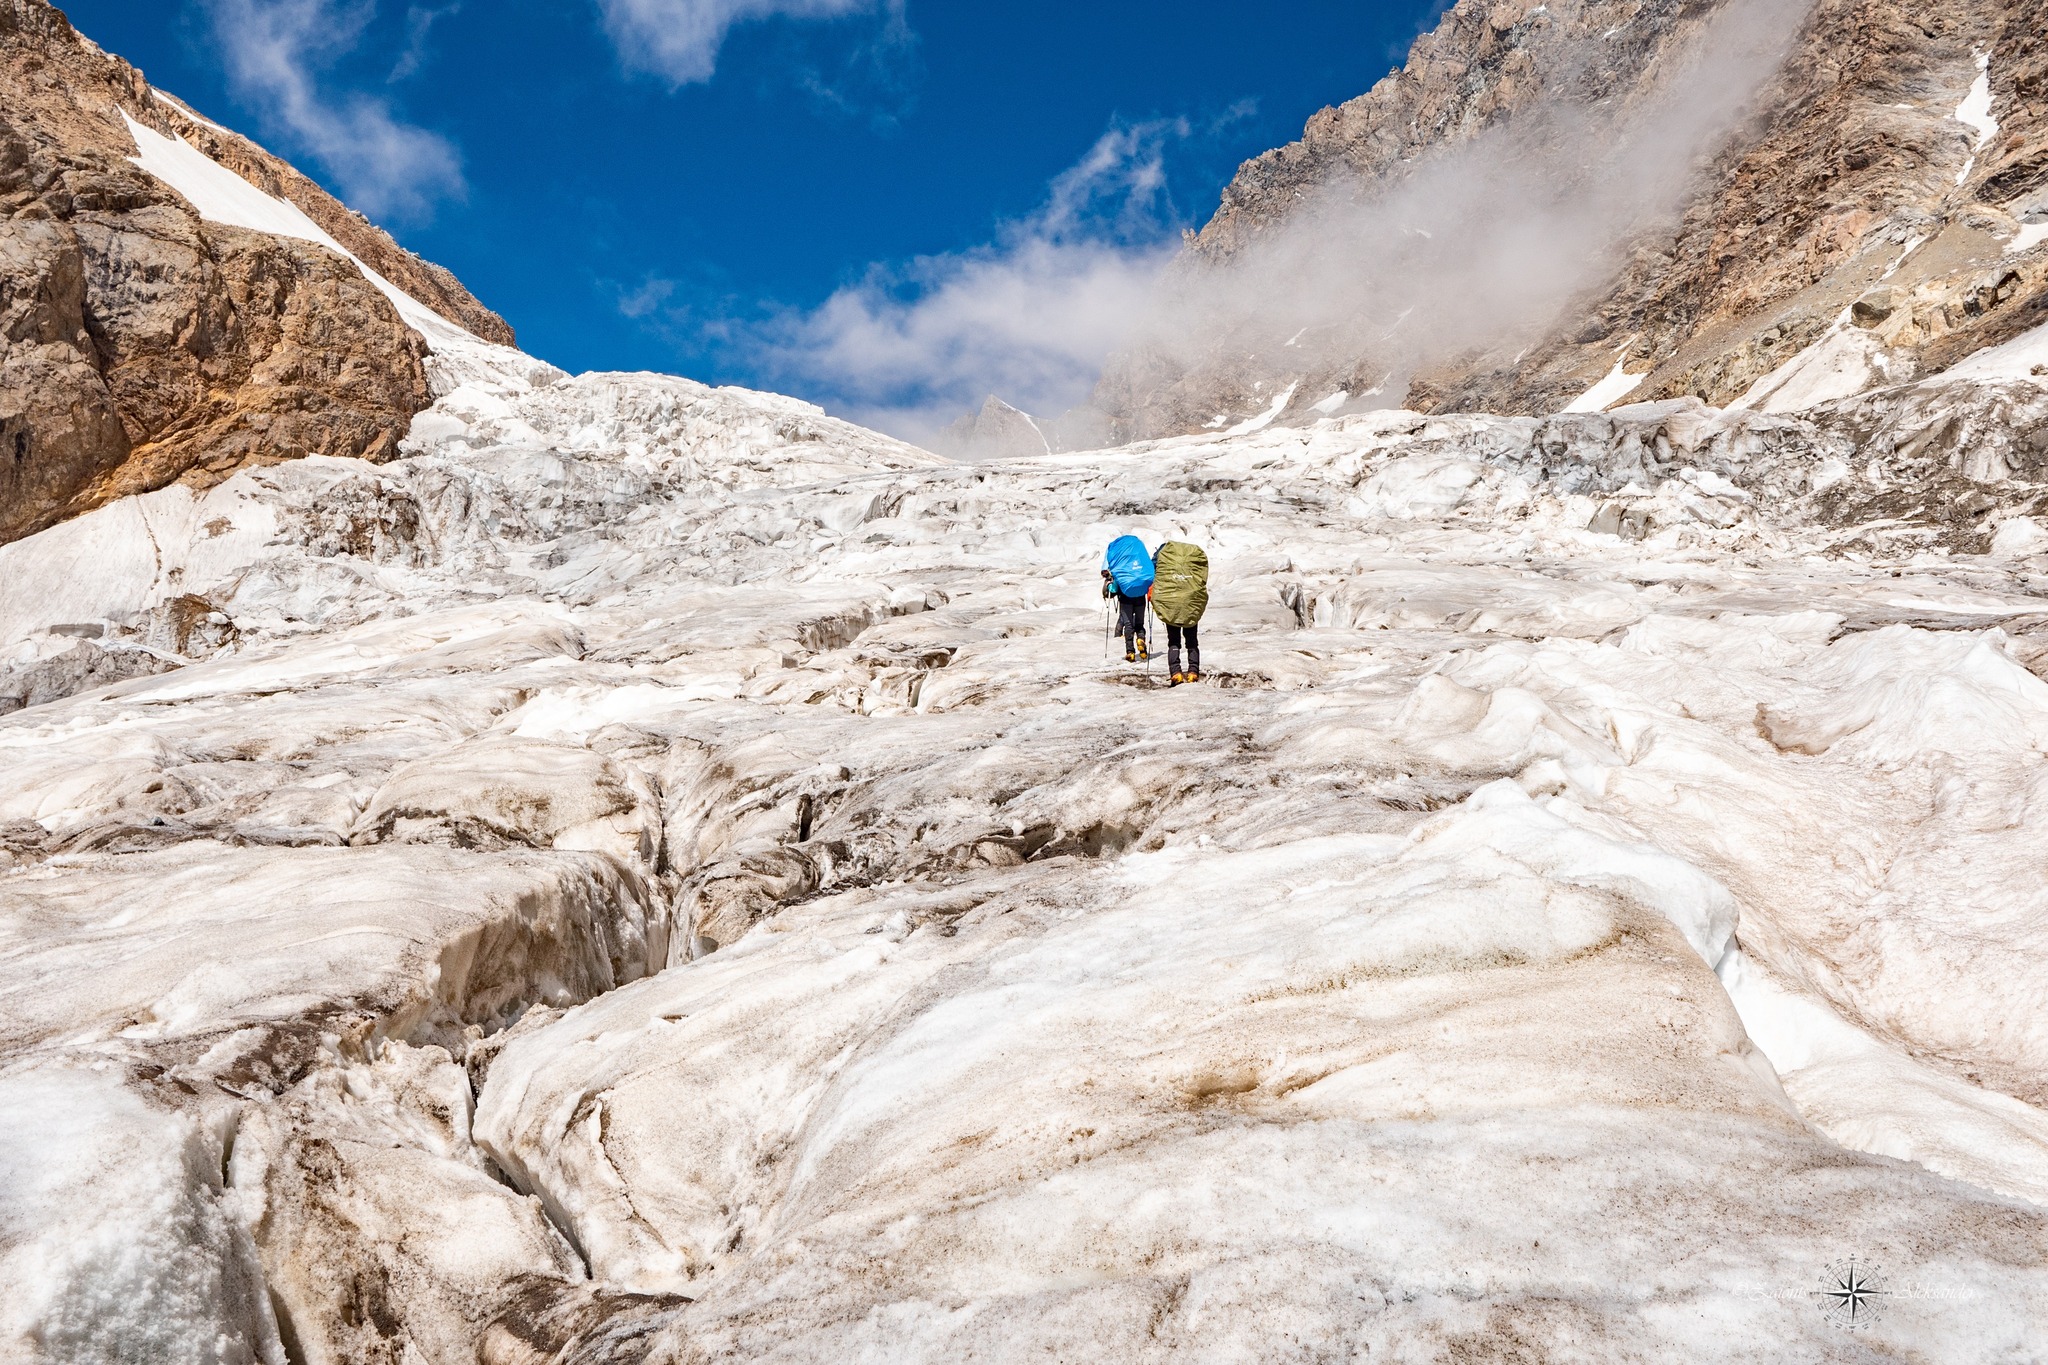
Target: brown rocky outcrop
142	344
1849	191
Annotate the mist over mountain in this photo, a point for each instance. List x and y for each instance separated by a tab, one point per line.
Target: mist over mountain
1785	203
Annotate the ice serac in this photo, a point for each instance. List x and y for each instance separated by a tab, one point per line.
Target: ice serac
151	338
1873	214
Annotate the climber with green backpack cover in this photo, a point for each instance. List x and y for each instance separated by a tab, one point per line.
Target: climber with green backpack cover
1180	594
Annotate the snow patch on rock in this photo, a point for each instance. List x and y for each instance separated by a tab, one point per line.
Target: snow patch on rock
222	196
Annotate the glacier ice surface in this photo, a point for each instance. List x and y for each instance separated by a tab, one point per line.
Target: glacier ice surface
657	869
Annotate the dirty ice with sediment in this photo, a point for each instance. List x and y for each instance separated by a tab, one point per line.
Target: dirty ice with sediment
661	873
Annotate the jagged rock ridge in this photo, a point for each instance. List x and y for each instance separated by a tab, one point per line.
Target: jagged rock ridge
996	431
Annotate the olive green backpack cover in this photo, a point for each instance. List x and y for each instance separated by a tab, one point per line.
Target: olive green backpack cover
1180	584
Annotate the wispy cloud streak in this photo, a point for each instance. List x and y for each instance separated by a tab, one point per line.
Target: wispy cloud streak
275	51
1030	316
680	39
419	28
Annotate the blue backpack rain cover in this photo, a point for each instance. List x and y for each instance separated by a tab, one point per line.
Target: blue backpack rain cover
1129	565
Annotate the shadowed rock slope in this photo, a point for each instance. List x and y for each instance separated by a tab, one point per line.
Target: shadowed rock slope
140	344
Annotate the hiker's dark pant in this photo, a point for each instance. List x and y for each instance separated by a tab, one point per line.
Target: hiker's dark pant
1130	620
1177	636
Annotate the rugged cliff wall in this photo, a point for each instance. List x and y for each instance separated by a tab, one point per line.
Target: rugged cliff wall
1865	200
143	345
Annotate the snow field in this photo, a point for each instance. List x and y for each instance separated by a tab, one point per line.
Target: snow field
117	1239
722	824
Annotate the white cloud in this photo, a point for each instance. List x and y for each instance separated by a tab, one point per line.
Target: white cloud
1030	316
680	39
419	27
646	299
383	166
1032	322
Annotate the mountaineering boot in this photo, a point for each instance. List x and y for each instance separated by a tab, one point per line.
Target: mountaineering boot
1142	652
1130	656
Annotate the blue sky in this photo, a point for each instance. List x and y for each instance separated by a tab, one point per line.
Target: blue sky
887	206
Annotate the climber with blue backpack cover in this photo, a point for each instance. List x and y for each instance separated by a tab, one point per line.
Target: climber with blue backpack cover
1127	576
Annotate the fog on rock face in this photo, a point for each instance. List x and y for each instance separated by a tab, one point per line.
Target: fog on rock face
653	873
1482	240
1788	206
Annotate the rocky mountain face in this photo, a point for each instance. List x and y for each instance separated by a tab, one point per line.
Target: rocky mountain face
145	344
1878	212
996	431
